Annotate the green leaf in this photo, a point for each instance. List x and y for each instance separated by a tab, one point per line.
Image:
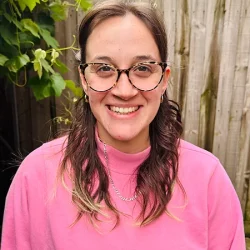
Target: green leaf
27	40
84	4
40	62
16	63
58	11
32	27
3	59
31	4
48	85
41	87
8	33
7	16
54	55
45	22
61	66
16	9
39	54
77	91
7	49
46	66
12	19
38	68
58	84
21	4
51	41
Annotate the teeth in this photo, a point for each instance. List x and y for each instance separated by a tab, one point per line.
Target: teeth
123	110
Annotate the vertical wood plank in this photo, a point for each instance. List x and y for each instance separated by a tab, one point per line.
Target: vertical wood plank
237	104
213	40
169	7
226	78
41	120
195	70
181	57
24	119
243	170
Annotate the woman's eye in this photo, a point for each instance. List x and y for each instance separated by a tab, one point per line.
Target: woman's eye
105	69
143	68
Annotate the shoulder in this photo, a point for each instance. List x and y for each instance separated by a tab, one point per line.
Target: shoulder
53	150
201	173
47	156
191	154
189	150
197	164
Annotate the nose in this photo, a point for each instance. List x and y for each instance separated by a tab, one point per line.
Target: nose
124	89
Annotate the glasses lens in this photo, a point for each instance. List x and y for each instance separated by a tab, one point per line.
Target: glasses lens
145	76
99	76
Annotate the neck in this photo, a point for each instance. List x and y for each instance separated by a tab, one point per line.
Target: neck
130	147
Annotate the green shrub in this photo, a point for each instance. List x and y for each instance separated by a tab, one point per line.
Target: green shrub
26	25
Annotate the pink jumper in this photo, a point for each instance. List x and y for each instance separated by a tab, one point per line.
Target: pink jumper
39	211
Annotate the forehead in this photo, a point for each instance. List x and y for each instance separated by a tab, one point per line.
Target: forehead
121	38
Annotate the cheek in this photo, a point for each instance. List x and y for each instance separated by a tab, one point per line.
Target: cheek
153	97
95	102
153	103
96	97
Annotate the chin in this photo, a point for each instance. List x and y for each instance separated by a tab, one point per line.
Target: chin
127	134
122	135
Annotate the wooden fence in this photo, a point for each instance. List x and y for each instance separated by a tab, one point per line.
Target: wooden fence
209	51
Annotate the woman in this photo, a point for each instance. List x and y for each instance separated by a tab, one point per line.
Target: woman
122	178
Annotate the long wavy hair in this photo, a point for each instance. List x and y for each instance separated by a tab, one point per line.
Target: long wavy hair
158	173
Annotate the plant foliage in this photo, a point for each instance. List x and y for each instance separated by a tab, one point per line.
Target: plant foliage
26	25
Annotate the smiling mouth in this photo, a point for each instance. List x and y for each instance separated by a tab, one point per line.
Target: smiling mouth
123	111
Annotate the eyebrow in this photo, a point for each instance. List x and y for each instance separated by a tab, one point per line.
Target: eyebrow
136	58
104	58
144	58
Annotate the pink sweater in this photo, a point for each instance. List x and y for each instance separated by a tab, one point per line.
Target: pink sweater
39	212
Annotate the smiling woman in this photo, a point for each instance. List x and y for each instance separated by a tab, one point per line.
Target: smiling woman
122	175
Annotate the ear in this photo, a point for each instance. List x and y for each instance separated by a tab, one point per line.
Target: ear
165	79
83	81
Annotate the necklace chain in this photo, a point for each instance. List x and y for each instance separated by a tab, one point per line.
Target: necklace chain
111	180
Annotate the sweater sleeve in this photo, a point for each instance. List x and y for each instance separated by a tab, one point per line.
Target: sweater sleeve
225	223
25	203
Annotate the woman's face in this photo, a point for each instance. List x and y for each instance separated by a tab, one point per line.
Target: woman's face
123	42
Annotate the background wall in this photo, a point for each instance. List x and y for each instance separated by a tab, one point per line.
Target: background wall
209	52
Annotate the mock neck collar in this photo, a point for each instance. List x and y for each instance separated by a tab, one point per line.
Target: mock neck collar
120	162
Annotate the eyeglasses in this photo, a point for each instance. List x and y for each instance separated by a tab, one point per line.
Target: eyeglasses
144	76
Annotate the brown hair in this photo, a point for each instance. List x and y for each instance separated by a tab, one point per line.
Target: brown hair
165	131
